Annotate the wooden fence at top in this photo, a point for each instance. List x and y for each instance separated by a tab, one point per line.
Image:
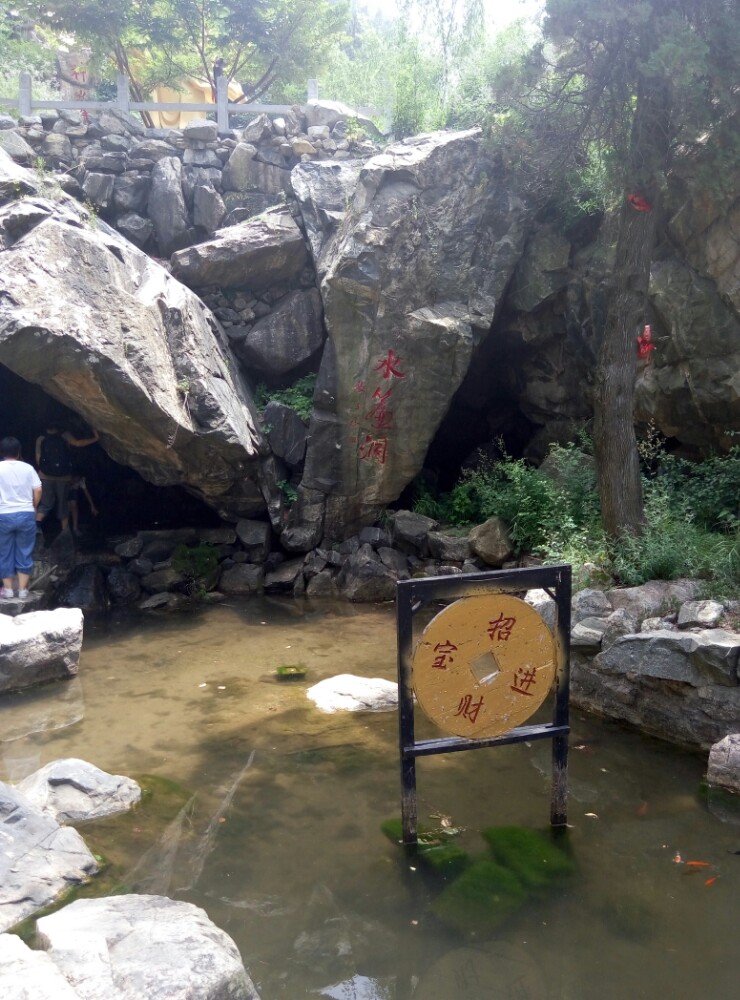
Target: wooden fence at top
26	103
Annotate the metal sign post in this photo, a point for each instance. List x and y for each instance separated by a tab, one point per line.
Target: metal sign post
412	596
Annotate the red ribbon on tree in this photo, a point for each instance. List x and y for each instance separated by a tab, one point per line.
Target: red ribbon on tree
645	345
639	203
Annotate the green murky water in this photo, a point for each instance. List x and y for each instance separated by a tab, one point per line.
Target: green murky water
267	814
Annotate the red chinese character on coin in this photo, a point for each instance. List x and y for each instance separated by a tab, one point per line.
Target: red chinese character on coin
469	709
443	649
523	680
501	628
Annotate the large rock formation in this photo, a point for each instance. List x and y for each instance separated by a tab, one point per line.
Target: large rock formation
410	288
105	330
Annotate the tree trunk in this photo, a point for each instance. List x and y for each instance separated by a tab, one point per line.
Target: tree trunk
615	442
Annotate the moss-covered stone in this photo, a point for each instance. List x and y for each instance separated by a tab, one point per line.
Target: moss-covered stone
481	899
445	859
529	854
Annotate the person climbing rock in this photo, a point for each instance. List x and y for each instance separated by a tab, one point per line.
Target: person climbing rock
20	495
54	463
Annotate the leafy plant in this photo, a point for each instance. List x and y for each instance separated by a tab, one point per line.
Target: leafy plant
198	564
298	396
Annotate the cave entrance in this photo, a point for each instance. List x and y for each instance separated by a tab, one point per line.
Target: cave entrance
125	501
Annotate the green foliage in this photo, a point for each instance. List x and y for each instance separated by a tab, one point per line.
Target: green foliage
298	396
198	564
290	493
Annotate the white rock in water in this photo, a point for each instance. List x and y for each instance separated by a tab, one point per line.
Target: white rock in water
25	973
347	693
40	646
72	790
144	948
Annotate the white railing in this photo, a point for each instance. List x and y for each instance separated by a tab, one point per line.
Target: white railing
26	103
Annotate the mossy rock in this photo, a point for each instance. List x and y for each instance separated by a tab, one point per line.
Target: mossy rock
290	672
439	854
481	899
529	854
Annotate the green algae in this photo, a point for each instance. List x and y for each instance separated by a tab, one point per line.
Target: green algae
530	854
480	899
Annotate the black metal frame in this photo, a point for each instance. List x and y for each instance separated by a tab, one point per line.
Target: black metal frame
411	596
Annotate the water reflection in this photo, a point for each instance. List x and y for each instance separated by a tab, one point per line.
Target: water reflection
273	826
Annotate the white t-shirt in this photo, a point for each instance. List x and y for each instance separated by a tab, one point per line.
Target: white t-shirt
18	480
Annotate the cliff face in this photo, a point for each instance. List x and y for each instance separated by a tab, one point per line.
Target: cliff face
437	311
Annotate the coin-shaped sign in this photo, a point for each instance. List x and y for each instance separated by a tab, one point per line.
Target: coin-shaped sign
484	665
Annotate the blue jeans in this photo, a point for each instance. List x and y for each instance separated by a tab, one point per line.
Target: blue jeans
17	541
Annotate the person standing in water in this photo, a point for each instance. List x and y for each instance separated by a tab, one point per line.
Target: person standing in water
20	495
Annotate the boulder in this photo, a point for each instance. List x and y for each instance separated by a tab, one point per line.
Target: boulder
348	693
284	576
286	432
39	646
449	548
544	605
255	537
135	354
324	190
653	598
84	588
724	763
30	975
305	527
409	532
323	584
144	947
17	148
167	208
491	542
39	860
208	208
590	603
15	181
72	790
700	614
403	322
542	271
242	578
200	130
124	587
255	254
695	658
365	578
287	338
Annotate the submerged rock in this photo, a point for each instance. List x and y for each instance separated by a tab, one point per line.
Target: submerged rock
724	763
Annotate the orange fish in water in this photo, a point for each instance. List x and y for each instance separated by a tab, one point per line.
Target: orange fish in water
698	864
711	881
677	859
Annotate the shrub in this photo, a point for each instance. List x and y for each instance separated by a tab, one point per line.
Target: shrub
299	396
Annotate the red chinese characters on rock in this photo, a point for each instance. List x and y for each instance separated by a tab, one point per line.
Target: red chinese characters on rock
372	443
443	651
501	628
469	709
524	679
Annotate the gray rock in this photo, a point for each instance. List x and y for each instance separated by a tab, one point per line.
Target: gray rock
131	193
286	339
724	763
135	228
255	536
259	128
131	548
348	693
544	605
364	578
700	614
255	254
491	542
410	530
395	561
377	537
217	536
124	587
39	860
284	576
135	354
449	548
324	190
152	149
132	946
15	181
73	790
162	601
39	646
695	658
237	175
305	527
208	208
242	578
167	578
590	604
166	207
286	432
30	975
56	149
200	130
619	623
542	271
585	638
17	148
323	584
653	598
98	189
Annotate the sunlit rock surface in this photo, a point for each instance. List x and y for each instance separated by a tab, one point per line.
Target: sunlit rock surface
72	790
39	646
131	947
104	329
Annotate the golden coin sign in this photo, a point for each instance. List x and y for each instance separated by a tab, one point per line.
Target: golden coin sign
484	665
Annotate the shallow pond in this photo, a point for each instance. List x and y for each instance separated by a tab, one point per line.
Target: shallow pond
269	818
